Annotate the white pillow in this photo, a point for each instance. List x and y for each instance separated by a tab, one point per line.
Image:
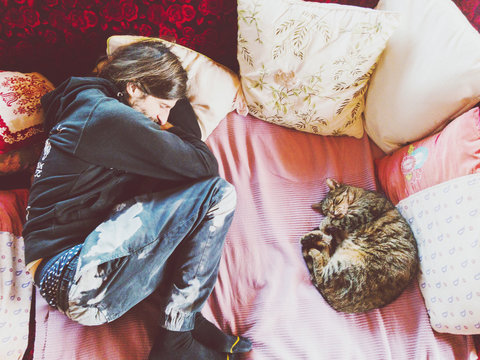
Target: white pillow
428	75
445	220
212	89
306	65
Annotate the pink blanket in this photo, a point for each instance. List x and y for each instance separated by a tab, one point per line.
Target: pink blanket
263	290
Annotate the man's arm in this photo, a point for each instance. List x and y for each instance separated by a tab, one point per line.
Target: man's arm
122	138
183	116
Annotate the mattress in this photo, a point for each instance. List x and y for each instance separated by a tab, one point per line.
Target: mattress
263	290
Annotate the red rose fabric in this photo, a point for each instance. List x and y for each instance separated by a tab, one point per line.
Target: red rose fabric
60	38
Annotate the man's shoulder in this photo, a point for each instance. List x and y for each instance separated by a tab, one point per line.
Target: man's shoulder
109	113
106	107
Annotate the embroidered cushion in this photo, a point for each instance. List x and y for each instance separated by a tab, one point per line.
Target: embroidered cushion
21	119
428	75
213	89
307	65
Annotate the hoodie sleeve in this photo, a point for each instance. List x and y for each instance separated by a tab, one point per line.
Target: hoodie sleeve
182	116
119	137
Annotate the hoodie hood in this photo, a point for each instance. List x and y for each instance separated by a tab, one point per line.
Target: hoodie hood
56	103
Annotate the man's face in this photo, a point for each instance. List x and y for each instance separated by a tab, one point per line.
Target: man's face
154	108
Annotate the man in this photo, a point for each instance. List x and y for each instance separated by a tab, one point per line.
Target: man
125	203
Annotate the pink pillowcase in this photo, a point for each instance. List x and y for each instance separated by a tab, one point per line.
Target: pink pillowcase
451	153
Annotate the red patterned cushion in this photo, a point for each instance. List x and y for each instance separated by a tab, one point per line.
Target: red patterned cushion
21	114
21	120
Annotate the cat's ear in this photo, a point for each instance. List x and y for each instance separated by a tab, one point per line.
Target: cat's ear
332	183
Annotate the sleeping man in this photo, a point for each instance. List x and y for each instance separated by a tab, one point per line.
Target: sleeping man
126	201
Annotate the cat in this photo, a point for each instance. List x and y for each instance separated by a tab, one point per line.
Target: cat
363	254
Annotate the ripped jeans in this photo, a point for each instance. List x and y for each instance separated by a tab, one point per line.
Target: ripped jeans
170	242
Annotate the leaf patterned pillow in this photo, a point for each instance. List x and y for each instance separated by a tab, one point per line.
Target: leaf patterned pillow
307	65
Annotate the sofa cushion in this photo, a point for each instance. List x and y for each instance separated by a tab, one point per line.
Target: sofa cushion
306	65
428	75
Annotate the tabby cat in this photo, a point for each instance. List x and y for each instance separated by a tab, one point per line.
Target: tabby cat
363	255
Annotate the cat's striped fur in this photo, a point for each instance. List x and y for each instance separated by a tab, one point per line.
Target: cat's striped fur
363	254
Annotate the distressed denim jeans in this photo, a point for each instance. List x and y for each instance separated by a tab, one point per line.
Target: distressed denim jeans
170	242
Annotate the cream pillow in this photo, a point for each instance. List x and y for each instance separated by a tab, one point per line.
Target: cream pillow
428	75
307	65
213	89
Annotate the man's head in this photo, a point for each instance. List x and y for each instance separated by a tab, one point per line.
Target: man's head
149	75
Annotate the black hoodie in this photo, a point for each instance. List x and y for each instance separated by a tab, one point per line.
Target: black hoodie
99	152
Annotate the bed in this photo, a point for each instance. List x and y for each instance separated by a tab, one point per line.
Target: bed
263	291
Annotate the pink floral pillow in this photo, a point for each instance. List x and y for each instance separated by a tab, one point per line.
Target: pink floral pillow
21	119
451	153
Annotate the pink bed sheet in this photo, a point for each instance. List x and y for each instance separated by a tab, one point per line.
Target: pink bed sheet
263	290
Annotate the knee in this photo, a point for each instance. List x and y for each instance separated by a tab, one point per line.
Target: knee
228	195
223	197
88	316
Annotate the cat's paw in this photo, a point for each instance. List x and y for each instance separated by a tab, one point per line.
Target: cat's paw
319	259
313	253
315	239
308	261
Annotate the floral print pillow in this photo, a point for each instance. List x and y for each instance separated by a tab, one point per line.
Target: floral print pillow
307	65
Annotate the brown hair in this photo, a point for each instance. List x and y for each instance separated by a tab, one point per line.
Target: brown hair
150	65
